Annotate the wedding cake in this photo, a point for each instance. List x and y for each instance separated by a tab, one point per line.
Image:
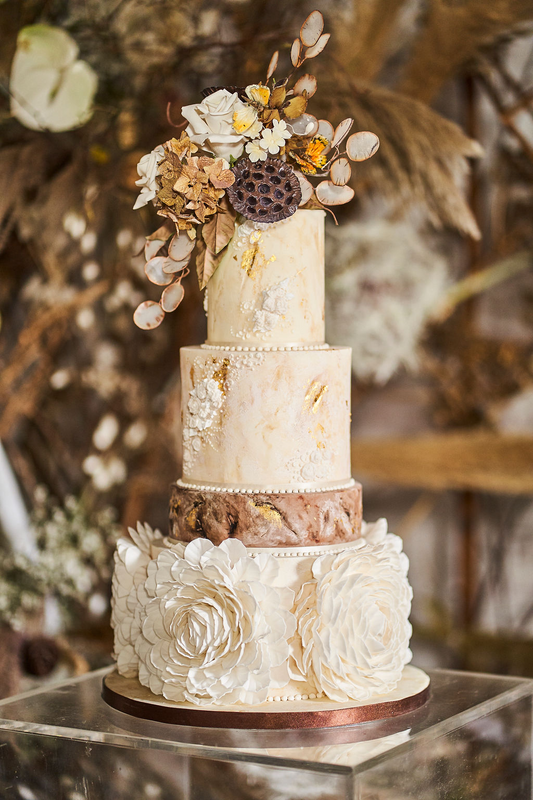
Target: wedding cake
268	588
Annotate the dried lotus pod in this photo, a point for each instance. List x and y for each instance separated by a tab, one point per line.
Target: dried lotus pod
241	91
267	191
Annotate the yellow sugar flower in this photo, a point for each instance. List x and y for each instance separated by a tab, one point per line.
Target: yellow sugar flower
258	93
244	116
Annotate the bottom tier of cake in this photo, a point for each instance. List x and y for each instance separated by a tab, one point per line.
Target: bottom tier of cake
225	625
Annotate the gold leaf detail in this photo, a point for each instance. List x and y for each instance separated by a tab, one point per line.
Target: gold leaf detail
268	512
313	397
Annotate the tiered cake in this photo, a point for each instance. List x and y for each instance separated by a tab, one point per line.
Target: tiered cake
269	587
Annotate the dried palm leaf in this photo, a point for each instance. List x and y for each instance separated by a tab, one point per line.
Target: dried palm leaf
453	34
422	159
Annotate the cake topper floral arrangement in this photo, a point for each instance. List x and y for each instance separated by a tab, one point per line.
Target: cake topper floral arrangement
246	150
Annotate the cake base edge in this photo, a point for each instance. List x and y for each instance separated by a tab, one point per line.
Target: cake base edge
128	696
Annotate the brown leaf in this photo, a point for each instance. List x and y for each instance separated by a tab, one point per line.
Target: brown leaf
295	107
220	228
277	98
206	263
270	114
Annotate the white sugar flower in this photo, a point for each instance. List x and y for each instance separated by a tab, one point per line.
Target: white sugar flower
216	631
272	139
132	557
147	171
353	632
255	151
211	124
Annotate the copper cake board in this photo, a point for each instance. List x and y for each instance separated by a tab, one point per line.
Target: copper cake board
127	695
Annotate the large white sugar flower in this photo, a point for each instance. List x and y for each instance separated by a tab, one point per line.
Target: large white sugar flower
147	171
132	557
272	139
352	639
211	124
255	151
50	88
216	631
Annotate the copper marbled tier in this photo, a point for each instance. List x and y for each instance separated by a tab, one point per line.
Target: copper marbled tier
267	520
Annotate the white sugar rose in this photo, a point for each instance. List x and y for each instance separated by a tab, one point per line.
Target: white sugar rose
147	171
211	124
132	557
216	631
353	632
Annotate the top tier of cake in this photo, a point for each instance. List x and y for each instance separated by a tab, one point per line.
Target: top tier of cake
269	287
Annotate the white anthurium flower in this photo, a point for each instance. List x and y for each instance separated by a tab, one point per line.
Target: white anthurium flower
211	124
147	171
132	557
215	630
273	139
353	631
51	89
255	151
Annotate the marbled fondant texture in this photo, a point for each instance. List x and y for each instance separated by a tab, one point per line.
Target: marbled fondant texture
266	420
266	520
269	287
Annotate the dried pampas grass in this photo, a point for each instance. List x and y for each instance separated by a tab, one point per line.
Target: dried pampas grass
453	34
364	41
422	160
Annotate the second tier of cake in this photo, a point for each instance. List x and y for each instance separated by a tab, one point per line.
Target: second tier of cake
266	421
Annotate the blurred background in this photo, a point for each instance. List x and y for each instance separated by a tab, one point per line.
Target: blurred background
429	279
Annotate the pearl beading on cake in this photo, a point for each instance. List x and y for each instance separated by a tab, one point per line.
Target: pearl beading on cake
296	697
205	487
233	348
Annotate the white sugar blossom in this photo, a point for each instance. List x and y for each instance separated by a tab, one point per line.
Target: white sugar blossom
147	171
255	151
51	89
132	557
272	139
353	632
211	124
215	630
203	407
274	305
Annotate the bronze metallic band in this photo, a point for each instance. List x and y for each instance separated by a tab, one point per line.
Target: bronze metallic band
267	520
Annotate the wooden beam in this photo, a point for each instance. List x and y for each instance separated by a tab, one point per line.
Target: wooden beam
479	460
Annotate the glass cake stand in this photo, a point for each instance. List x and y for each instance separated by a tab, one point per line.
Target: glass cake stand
471	740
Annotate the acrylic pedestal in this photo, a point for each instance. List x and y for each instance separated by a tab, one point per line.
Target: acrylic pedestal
471	741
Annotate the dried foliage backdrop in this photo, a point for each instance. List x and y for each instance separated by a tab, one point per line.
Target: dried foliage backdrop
429	278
